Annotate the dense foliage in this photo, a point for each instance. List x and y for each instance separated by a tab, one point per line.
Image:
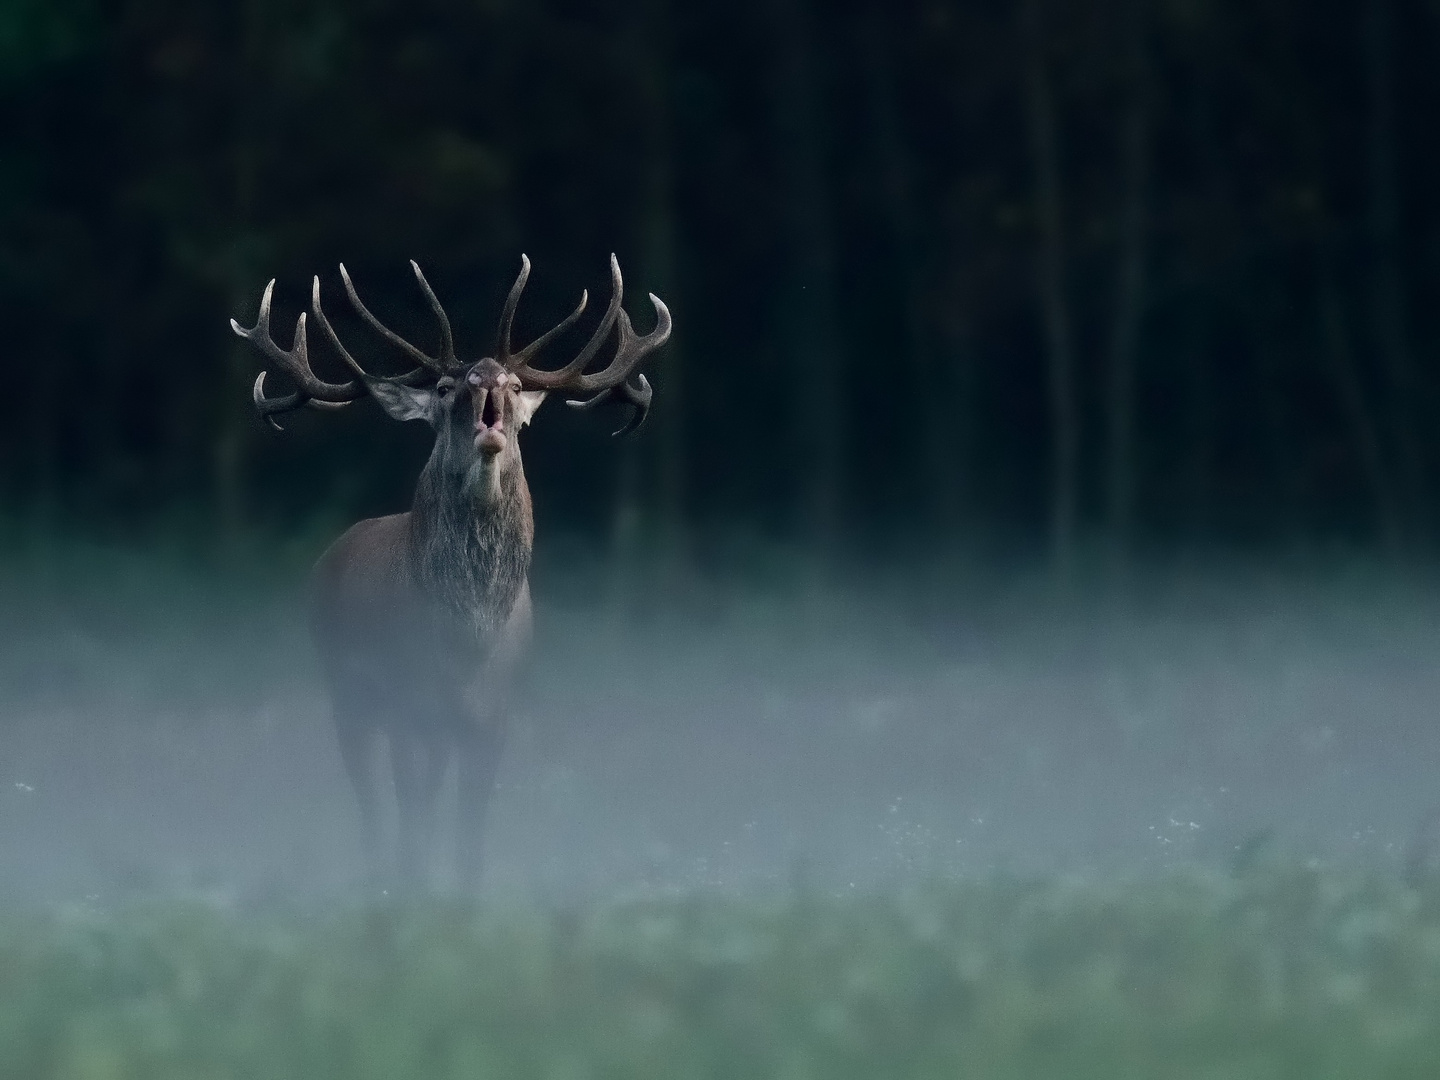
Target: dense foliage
1159	266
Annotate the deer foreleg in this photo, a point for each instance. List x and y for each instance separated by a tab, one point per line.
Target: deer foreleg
357	750
418	764
480	751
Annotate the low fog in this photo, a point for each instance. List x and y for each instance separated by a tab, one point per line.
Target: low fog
166	729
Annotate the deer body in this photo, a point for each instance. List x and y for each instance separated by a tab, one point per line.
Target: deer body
428	669
422	620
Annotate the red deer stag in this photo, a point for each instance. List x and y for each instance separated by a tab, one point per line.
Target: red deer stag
422	619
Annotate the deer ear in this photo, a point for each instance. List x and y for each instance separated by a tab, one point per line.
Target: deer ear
527	402
402	402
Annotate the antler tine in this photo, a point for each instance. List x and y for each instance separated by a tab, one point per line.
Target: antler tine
269	407
424	360
512	360
507	316
447	339
334	340
631	350
562	378
638	396
330	330
522	357
295	362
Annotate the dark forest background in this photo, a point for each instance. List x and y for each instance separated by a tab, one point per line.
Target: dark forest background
1144	274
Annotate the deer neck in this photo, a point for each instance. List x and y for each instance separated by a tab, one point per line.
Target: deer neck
470	544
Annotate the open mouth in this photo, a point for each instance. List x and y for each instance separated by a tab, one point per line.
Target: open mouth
489	423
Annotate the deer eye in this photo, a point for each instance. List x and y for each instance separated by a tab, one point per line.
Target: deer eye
443	387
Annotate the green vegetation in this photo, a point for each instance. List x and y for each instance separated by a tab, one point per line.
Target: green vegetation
1280	972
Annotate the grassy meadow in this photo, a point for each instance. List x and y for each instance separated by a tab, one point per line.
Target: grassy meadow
1282	971
161	713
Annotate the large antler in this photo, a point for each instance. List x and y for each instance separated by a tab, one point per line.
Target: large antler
316	393
295	362
571	379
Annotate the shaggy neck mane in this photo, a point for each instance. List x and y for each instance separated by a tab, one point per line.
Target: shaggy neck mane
471	555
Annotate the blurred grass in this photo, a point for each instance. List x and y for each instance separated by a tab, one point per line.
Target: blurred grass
1284	971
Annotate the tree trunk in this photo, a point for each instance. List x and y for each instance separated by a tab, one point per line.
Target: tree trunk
1199	435
628	600
46	413
1387	304
1120	467
664	443
228	461
1335	339
943	421
1284	506
808	315
1054	307
1200	383
229	450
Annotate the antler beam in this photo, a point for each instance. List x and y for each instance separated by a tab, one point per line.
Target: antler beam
571	379
313	391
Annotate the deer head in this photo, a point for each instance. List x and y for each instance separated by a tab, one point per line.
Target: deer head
477	408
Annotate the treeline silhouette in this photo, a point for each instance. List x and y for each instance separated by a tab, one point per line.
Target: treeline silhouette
1153	271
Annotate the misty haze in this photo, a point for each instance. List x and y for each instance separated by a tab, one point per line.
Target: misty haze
969	604
168	730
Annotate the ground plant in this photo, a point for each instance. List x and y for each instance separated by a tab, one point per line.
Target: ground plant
1282	970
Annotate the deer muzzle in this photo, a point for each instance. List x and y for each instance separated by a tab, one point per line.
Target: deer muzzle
489	421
